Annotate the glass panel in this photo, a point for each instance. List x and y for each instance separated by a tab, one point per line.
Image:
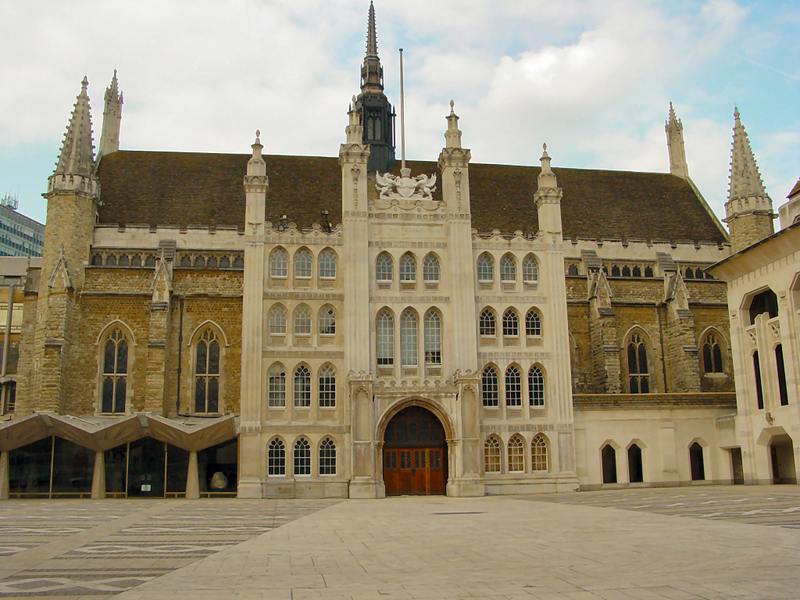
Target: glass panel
177	469
119	395
213	358
116	461
213	394
122	357
632	366
108	395
202	358
717	359
29	468
200	394
108	357
218	467
146	469
645	385
643	360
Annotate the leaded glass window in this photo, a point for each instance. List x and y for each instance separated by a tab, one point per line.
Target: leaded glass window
278	263
536	386
206	373
327	265
433	338
638	373
712	355
530	269
385	338
533	324
302	320
513	387
408	268
276	386
327	387
302	387
302	457
539	453
115	373
408	338
327	457
510	323
327	321
489	386
277	320
485	268
487	322
302	264
276	458
508	269
383	268
491	455
430	269
516	455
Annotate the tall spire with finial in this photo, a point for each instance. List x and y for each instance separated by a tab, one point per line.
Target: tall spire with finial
677	153
749	208
112	116
371	70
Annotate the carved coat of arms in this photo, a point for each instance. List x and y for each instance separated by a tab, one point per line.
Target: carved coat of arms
405	186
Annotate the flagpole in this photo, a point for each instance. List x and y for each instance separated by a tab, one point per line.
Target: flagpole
402	115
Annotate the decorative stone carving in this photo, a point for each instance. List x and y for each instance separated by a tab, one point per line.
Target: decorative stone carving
405	186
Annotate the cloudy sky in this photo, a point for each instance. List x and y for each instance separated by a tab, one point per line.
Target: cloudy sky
592	78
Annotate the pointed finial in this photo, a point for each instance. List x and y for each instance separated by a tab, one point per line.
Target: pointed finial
736	113
452	107
372	36
84	83
258	136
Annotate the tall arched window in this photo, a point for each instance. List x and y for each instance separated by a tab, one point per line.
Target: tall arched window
278	263
696	462
638	373
206	373
533	324
530	269
608	457
408	338
302	457
408	268
302	320
327	387
276	458
276	386
539	453
383	268
485	268
430	269
513	387
536	386
385	338
759	388
510	323
712	355
302	264
327	457
783	391
433	338
491	455
516	455
277	320
489	386
301	387
115	373
635	470
327	321
327	265
487	322
508	269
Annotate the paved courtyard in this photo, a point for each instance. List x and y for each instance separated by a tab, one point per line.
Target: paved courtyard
698	542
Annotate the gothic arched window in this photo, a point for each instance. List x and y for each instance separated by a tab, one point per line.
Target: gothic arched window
278	263
327	387
530	269
276	386
277	320
302	457
115	373
301	387
383	268
408	268
276	458
408	338
430	269
516	455
327	265
302	320
489	386
510	323
508	269
539	453
536	386
513	387
433	338
712	355
327	321
638	372
206	373
327	457
533	324
385	338
485	268
492	455
302	264
487	322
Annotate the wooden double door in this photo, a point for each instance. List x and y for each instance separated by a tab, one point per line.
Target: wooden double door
414	454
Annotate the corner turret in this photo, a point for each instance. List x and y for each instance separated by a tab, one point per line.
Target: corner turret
75	169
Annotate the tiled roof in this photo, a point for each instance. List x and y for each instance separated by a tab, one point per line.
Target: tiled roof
178	188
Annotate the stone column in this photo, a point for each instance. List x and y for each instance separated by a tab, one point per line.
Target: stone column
192	478
99	476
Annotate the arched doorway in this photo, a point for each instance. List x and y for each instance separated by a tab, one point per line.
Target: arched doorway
414	454
781	451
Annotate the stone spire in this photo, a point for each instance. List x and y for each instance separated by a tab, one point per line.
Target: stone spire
748	211
452	136
547	199
112	116
371	70
677	154
75	169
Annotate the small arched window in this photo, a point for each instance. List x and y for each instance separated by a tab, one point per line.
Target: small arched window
383	268
513	387
508	269
302	320
487	322
712	355
608	458
276	458
536	386
327	321
302	457
485	268
327	457
489	386
491	455
572	269
302	387
648	271
385	338
533	324
530	269
115	373
516	455
206	373
510	323
539	453
276	386
302	264
277	320
408	338
430	269
433	338
408	268
638	373
278	263
327	387
327	265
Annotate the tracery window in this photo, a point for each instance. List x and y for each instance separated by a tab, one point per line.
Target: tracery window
539	453
485	268
508	269
302	387
408	338
530	269
385	338
516	455
327	265
408	268
327	321
115	373
276	386
489	386
278	263
712	355
491	455
430	269
536	386
433	338
302	264
383	267
277	320
487	322
302	320
513	387
302	457
533	324
327	387
510	323
206	373
276	458
327	457
638	373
